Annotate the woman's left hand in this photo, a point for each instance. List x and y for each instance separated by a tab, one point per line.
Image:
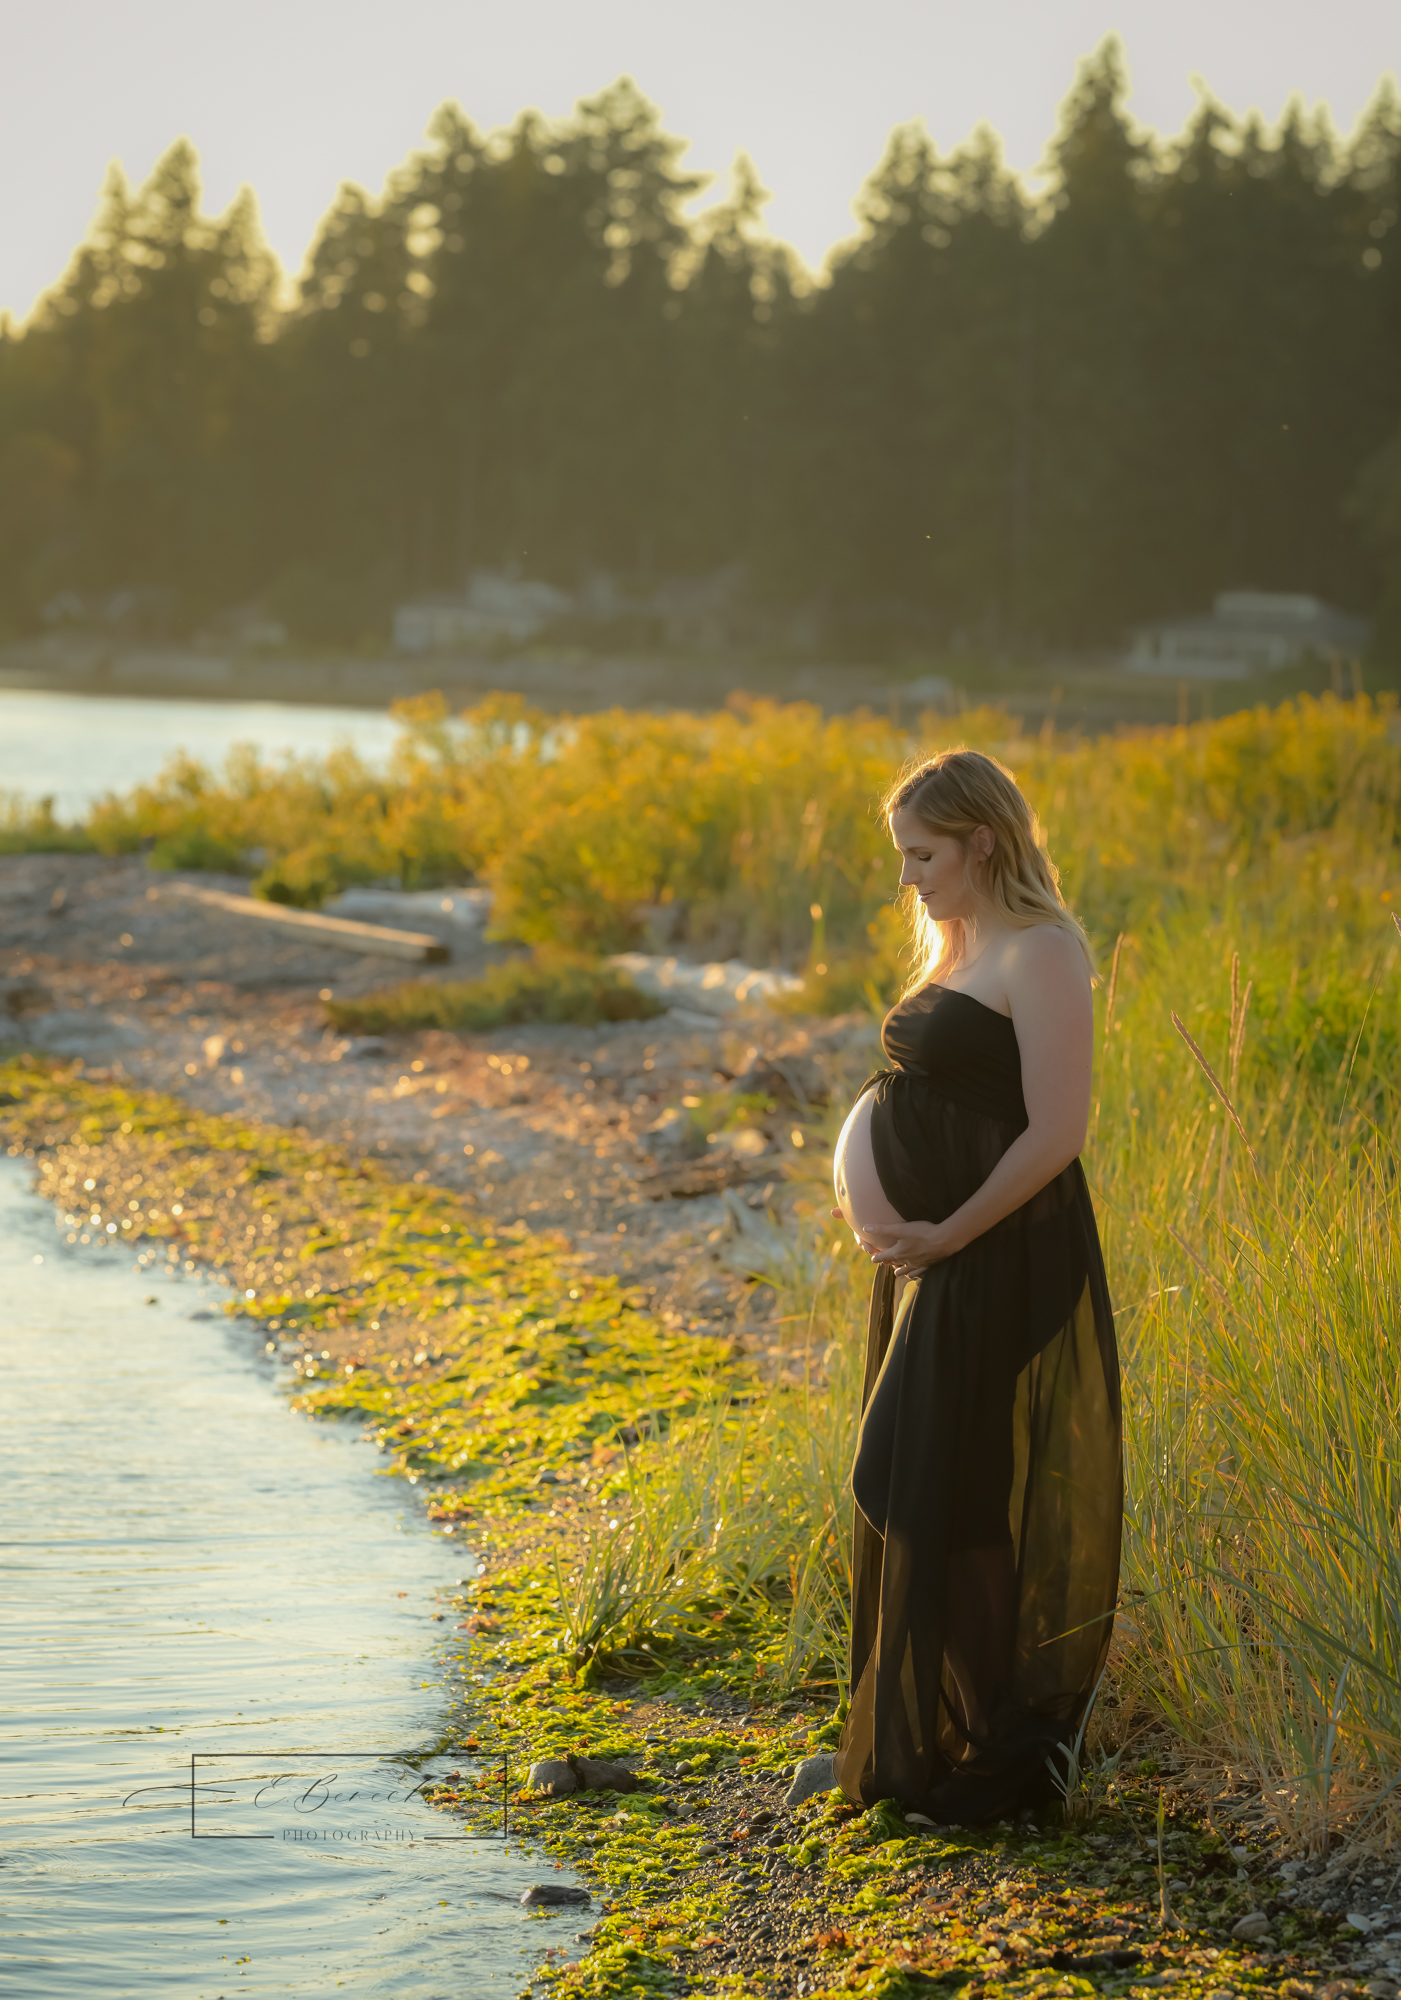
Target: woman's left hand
909	1246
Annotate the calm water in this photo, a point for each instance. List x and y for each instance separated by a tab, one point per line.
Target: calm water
75	747
189	1568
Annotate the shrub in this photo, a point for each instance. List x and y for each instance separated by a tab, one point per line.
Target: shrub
546	987
29	827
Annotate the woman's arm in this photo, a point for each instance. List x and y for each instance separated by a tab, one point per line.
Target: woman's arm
1048	990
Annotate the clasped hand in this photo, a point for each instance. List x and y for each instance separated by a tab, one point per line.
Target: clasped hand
907	1246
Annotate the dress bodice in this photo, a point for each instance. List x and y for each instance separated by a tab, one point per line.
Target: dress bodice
966	1050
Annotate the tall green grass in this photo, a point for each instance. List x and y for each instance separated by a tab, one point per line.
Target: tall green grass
1243	1162
1257	1278
739	1517
1258	1272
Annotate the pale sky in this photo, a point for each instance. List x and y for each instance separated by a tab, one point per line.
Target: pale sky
294	96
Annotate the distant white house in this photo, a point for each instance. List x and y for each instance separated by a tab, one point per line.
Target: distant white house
1246	632
685	611
492	607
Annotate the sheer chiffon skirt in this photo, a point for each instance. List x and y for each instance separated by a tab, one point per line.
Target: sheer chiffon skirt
989	1496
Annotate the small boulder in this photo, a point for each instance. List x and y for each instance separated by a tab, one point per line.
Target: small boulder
1253	1926
544	1895
668	1132
23	996
554	1777
793	1082
596	1776
811	1776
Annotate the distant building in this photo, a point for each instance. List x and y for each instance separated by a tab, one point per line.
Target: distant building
133	613
699	612
1247	632
493	607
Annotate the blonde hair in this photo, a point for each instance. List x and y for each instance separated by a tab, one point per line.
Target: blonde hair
954	794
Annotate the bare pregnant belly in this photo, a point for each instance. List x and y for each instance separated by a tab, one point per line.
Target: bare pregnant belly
860	1196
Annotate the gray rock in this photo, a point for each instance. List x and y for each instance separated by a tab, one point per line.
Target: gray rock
544	1895
553	1776
558	1776
668	1134
811	1776
23	996
1253	1925
792	1081
596	1776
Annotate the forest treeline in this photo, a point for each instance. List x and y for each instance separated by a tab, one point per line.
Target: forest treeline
993	420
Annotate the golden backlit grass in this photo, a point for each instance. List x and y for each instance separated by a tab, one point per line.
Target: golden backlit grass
756	831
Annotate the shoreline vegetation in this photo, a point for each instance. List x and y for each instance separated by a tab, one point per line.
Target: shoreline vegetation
665	1533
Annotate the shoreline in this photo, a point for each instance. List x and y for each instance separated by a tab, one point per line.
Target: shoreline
702	1880
1092	693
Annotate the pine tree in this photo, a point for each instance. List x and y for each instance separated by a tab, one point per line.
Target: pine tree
908	403
1091	464
152	352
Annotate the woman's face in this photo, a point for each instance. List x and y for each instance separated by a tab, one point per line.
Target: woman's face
942	870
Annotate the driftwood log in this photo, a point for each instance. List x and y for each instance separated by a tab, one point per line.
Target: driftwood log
344	933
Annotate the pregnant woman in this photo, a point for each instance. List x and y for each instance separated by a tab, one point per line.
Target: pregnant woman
988	1477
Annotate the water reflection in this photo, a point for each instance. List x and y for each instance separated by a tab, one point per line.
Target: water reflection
75	747
192	1570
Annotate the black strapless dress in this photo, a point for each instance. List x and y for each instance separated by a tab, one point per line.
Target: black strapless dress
989	1470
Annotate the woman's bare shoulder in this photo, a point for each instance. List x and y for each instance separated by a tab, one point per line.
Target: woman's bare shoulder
1042	955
